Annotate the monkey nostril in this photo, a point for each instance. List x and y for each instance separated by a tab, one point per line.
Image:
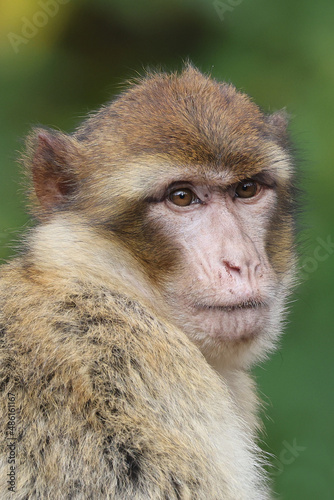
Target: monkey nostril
231	266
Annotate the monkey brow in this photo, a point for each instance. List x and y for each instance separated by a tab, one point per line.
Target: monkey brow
265	177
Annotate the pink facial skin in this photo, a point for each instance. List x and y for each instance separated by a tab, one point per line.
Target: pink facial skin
225	290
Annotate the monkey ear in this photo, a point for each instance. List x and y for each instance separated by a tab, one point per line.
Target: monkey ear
50	166
279	122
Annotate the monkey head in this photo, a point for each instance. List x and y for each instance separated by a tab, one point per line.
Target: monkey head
196	184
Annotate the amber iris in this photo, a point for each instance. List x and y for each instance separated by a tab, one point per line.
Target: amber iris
182	197
246	189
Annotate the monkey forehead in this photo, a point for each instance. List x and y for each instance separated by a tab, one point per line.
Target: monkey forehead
151	175
189	117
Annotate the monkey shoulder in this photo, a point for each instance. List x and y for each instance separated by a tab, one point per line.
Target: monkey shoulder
99	384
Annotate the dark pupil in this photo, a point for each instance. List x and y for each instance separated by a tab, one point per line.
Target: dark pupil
182	195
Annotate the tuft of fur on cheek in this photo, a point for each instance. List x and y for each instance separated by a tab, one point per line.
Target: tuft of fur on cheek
146	238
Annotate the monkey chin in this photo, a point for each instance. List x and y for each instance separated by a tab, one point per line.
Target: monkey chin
235	336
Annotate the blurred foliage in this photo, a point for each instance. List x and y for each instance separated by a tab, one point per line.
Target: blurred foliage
281	53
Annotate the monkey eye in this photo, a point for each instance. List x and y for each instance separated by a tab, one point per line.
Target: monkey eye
247	189
182	197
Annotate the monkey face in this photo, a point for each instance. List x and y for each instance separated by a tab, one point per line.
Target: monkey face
224	285
224	290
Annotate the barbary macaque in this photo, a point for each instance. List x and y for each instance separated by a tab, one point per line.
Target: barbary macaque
156	276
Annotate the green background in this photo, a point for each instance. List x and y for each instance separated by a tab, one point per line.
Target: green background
279	52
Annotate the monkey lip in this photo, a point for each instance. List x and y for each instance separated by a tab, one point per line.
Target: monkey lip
243	305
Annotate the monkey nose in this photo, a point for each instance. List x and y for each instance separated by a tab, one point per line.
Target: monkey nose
231	267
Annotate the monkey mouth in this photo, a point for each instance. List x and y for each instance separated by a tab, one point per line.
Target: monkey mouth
244	305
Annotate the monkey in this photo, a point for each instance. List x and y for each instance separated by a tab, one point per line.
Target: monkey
156	275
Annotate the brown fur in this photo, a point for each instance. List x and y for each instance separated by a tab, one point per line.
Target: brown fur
113	400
